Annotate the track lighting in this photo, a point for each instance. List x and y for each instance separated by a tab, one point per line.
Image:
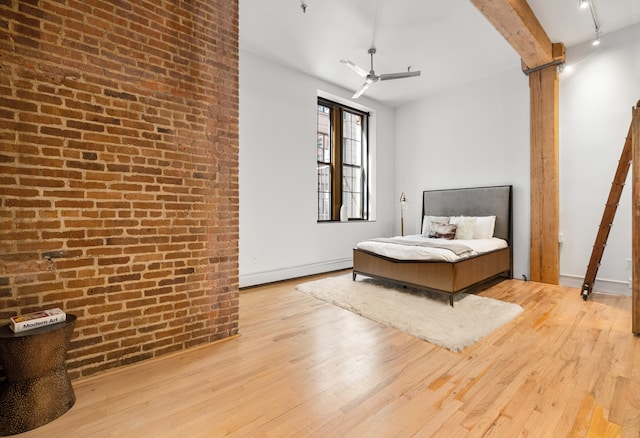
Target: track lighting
564	68
583	4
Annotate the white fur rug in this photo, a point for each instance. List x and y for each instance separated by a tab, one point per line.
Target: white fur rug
422	314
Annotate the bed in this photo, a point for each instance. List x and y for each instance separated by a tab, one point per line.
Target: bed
463	274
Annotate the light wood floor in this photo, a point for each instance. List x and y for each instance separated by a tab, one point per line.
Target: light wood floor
302	367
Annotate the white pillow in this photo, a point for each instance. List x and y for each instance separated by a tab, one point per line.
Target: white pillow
466	226
426	223
484	227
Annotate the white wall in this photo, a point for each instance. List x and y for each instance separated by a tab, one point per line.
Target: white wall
279	235
596	98
474	135
478	134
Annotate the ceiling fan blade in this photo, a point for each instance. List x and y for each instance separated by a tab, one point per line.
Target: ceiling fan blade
406	74
362	90
360	71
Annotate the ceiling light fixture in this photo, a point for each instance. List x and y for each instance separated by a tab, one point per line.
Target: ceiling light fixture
583	4
565	69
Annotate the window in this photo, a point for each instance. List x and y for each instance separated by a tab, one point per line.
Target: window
342	161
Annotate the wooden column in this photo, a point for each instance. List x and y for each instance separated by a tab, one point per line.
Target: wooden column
635	220
544	254
519	26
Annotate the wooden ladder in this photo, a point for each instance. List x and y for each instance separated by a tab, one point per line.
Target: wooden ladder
607	217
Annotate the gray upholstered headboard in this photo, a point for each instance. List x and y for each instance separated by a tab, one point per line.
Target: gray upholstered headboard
475	201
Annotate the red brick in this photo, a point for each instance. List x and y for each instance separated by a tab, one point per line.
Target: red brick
104	159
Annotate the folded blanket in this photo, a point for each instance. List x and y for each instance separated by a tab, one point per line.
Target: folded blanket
457	248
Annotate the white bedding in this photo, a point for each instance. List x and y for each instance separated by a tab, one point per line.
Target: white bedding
408	252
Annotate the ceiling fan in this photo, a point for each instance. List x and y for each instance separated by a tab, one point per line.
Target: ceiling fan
371	76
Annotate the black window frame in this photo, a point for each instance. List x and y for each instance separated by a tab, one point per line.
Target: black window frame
336	163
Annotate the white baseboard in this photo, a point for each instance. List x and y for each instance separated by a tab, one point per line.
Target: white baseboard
265	277
614	287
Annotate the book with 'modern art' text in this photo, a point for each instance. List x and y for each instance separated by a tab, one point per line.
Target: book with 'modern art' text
38	319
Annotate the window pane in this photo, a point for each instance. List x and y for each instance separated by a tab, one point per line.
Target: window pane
352	191
324	192
352	138
324	140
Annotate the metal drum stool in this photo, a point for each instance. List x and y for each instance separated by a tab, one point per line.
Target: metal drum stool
36	388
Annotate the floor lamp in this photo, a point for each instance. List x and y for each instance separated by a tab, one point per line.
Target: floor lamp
403	206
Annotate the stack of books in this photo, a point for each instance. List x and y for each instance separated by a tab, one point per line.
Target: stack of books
34	320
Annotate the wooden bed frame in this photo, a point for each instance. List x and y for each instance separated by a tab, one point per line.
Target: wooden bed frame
451	277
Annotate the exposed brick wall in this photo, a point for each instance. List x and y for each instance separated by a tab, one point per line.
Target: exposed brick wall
119	172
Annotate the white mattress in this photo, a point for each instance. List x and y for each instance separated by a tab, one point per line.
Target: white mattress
407	252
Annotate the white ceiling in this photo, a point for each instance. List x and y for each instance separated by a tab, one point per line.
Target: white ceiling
449	41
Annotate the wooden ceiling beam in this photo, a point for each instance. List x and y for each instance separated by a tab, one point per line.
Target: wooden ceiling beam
519	26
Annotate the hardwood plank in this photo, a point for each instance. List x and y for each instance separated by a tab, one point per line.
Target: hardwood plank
631	423
600	427
302	367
